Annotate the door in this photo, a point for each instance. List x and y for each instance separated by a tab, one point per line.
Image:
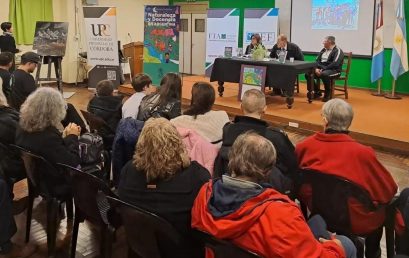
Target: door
198	27
185	43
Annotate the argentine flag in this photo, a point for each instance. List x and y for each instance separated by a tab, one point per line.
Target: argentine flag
399	61
378	53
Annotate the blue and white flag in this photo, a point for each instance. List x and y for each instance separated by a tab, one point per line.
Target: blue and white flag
399	61
378	47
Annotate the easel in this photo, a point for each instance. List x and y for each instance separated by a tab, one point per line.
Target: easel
58	71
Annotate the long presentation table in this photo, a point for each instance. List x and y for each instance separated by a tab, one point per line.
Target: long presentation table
282	76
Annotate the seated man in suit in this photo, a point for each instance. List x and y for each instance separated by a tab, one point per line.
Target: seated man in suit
334	152
292	49
329	64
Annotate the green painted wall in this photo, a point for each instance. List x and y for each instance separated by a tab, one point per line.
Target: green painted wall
360	75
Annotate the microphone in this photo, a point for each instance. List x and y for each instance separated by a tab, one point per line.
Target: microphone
130	37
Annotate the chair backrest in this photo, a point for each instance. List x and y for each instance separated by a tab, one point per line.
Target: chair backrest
38	171
222	248
145	230
346	65
330	195
89	194
95	123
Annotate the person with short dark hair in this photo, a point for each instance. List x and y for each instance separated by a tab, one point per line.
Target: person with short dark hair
200	116
255	42
244	209
7	42
166	102
108	107
6	61
329	63
140	84
22	83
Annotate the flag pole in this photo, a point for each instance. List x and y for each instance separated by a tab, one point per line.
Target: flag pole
378	93
392	94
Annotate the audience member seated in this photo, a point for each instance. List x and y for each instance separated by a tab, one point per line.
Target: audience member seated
108	107
200	116
329	63
162	180
242	208
140	84
6	61
165	103
293	51
22	83
253	106
11	164
402	223
8	226
334	152
41	130
255	42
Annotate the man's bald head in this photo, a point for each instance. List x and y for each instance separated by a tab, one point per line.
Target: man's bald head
282	40
253	102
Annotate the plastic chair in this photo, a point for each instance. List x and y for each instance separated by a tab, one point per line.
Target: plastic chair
343	76
223	248
38	171
90	204
330	196
144	230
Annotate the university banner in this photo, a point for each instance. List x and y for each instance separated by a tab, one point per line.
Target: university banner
100	28
222	32
263	22
161	41
102	44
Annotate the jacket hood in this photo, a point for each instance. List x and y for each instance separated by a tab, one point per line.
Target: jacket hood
226	211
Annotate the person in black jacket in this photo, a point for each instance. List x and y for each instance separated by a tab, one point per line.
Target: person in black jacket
166	103
329	64
162	179
108	107
7	42
6	61
41	132
253	106
22	83
292	49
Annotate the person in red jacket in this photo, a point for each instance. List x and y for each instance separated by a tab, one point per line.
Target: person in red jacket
334	152
243	209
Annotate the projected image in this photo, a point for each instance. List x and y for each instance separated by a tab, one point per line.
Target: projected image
335	14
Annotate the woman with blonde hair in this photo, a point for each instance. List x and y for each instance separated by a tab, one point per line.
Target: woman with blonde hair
162	180
41	130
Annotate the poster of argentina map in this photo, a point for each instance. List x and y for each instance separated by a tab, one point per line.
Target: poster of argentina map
251	77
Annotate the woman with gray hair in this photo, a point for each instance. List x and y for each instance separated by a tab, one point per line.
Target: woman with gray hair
41	130
334	152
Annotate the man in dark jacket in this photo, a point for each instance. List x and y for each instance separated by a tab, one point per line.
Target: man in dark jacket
7	42
108	107
22	83
329	64
6	61
292	49
253	106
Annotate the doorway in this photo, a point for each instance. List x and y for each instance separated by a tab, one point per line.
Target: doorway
192	45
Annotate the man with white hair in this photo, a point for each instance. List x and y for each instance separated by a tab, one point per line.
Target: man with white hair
334	152
329	64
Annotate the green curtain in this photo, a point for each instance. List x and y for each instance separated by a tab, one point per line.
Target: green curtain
24	14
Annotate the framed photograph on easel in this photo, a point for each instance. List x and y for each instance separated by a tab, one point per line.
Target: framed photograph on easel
251	77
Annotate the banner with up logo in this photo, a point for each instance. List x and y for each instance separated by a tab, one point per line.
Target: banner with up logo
101	32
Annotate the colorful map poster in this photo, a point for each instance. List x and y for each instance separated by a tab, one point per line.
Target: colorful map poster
252	77
161	43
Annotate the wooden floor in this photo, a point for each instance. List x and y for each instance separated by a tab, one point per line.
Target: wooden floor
87	245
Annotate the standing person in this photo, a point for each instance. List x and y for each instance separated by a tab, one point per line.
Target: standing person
329	63
140	84
255	42
6	61
22	83
292	49
7	42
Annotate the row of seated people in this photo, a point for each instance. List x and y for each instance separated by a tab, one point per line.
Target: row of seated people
163	178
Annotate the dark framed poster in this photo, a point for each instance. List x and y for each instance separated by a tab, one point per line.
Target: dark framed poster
252	77
50	38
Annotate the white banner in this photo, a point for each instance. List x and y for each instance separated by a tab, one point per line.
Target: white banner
263	22
101	31
222	31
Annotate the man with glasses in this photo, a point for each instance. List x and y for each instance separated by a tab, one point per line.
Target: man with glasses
22	83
